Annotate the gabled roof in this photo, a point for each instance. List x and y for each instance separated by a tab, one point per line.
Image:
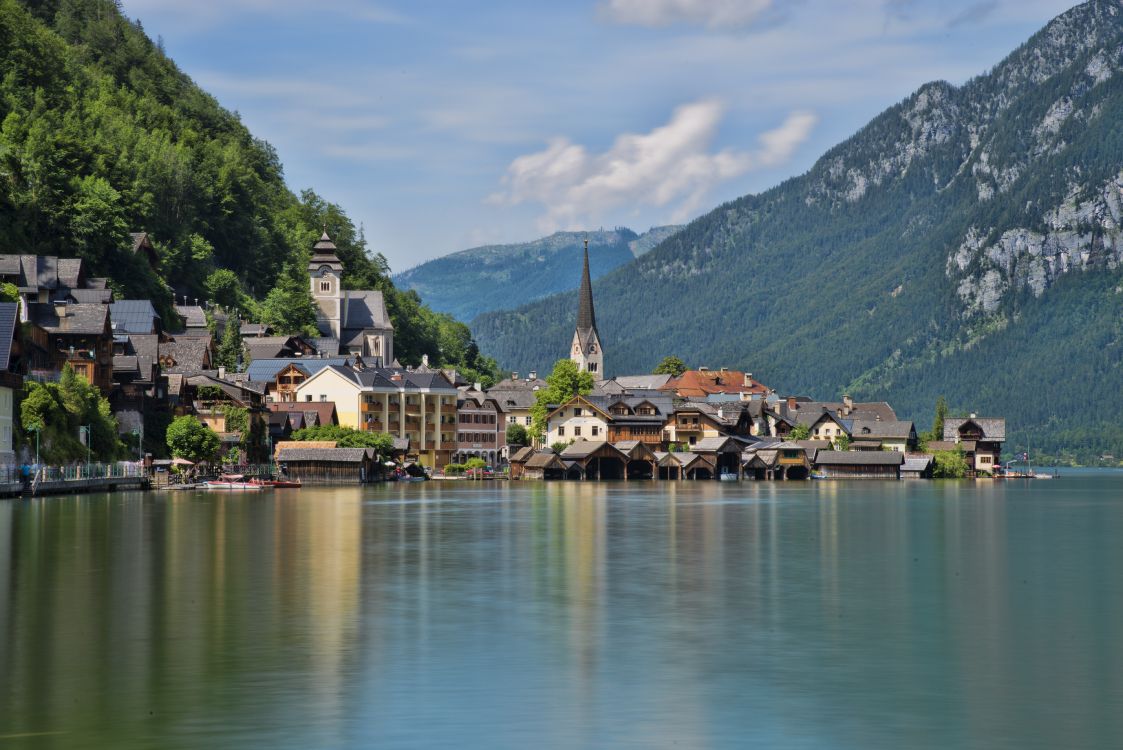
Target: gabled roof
89	296
585	448
328	455
585	402
716	445
522	455
193	315
545	460
993	428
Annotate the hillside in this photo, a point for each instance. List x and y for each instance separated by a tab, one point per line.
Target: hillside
496	277
101	134
965	242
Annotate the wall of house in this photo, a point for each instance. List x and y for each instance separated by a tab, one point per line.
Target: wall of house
566	426
330	386
7	422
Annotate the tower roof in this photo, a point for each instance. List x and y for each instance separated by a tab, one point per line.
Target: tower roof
323	253
586	316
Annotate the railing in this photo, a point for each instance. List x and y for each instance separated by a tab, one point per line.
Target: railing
122	470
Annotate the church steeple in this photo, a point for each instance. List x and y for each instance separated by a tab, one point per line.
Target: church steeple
586	316
586	351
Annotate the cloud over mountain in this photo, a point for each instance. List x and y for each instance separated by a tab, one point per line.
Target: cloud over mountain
670	167
711	13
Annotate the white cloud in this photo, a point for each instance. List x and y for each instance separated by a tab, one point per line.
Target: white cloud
669	168
712	13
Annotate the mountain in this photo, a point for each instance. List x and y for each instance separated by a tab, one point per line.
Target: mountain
497	277
965	242
101	134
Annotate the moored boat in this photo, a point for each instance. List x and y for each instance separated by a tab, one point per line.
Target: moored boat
232	482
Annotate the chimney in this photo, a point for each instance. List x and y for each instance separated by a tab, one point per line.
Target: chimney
534	375
791	403
847	405
221	372
476	386
515	375
424	360
60	308
973	415
720	413
703	369
748	380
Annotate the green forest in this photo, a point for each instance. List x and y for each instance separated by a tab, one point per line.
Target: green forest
101	135
839	280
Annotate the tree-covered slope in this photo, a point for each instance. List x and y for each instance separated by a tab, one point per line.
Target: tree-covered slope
965	242
496	277
101	134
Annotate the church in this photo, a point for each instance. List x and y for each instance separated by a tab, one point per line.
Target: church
351	322
586	350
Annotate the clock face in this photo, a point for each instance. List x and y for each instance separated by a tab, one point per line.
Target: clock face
592	348
576	348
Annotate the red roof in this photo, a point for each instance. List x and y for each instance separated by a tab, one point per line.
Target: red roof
701	383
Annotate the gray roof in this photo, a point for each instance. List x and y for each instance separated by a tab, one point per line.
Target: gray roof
187	353
917	463
521	399
644	382
710	444
84	319
253	329
327	455
859	458
193	316
91	296
266	369
583	448
133	316
544	460
125	364
872	430
994	428
366	309
326	344
9	313
522	455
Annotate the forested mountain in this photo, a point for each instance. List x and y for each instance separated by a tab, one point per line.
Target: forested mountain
101	134
966	242
497	277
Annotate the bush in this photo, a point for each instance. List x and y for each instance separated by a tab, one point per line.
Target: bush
950	465
454	470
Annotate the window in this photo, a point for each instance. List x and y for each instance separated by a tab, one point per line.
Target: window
325	286
528	420
561	432
308	397
984	459
577	411
323	397
596	430
592	367
693	440
512	419
577	431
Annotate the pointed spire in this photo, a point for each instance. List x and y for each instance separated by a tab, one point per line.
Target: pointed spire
586	317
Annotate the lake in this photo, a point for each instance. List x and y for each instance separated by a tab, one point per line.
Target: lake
568	615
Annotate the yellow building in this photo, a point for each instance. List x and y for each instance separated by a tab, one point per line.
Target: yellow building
416	405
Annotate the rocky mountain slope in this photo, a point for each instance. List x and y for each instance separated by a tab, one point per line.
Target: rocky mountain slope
496	277
965	242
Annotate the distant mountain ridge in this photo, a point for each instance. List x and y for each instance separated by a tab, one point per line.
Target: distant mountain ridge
965	242
501	277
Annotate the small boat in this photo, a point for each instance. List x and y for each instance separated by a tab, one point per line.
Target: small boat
728	476
232	482
278	483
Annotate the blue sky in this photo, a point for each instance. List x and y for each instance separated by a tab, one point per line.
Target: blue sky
443	125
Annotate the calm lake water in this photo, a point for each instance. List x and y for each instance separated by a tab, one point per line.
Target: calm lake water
496	615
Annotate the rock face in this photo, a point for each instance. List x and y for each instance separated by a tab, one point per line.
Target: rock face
1079	235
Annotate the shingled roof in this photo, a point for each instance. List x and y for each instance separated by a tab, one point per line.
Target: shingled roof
993	428
82	319
9	314
859	458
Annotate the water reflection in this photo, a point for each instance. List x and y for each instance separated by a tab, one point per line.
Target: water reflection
825	614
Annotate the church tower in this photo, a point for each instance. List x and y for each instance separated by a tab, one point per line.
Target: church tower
586	350
325	273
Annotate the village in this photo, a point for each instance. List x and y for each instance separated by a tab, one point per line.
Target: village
689	424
